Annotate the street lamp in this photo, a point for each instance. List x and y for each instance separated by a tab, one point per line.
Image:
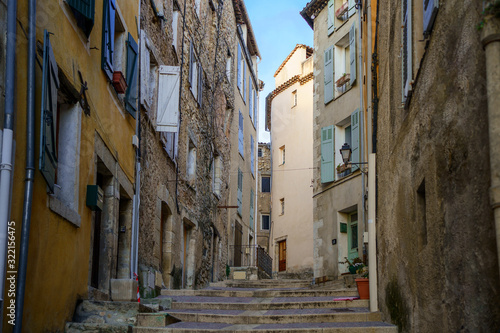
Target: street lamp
346	152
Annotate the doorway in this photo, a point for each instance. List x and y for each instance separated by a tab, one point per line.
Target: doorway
238	235
282	256
352	236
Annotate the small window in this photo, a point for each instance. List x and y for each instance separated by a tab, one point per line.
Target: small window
294	98
282	203
217	175
197	6
229	62
266	184
259	152
264	222
191	162
84	14
282	155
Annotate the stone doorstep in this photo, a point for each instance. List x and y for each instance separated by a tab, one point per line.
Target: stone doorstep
261	293
123	290
258	317
95	327
346	328
268	305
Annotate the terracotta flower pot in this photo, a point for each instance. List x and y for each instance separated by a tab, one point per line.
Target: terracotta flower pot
363	288
119	82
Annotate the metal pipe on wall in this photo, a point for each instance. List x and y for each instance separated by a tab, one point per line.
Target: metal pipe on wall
490	38
372	236
7	141
30	167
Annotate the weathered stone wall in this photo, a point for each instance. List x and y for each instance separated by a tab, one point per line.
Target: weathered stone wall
194	230
437	262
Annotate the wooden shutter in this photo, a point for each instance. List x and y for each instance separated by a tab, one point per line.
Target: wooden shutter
132	91
50	85
255	105
355	138
407	49
352	53
252	156
239	67
328	69
244	69
250	99
241	145
167	117
145	73
217	175
108	37
200	85
352	7
327	154
430	11
175	30
240	190
191	63
252	213
331	16
84	11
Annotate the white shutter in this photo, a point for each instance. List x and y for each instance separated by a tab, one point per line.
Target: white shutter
168	99
352	7
145	72
175	30
352	53
355	138
331	16
328	69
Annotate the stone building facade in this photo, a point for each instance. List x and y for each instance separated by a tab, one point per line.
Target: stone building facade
264	195
339	210
437	256
289	118
185	141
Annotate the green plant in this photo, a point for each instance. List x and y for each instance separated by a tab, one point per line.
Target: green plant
356	263
493	9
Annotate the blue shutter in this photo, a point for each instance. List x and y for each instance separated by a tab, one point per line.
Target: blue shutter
328	74
241	145
84	11
331	16
327	154
252	167
407	49
244	65
251	210
50	85
355	138
352	8
191	64
132	72
430	11
352	53
108	37
255	106
250	99
239	67
240	191
200	85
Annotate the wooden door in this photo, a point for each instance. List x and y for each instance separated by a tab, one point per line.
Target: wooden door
282	254
238	233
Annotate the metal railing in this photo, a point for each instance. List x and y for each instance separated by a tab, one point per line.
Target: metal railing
252	255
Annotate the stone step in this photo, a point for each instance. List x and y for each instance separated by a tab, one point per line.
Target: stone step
275	283
330	327
103	312
261	293
237	317
239	303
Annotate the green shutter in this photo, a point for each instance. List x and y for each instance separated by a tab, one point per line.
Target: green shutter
84	11
328	74
331	16
355	138
327	154
352	53
50	85
131	95
108	37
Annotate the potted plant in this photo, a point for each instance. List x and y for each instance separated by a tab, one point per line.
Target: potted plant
353	266
343	80
119	82
363	285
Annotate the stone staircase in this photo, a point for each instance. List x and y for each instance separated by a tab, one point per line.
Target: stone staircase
265	306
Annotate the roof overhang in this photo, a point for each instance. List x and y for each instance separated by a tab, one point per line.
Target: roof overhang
311	10
242	17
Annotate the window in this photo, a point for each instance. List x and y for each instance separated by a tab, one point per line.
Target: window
327	154
264	222
131	95
217	175
294	98
84	14
282	155
241	73
348	131
167	117
252	156
259	153
328	74
345	61
430	12
229	61
265	184
255	105
149	78
59	139
108	37
282	203
176	30
252	212
197	6
195	76
250	99
191	162
240	191
241	142
169	142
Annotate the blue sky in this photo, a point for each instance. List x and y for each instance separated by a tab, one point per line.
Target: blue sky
278	27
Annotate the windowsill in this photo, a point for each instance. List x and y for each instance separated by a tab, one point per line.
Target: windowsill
343	22
343	93
61	209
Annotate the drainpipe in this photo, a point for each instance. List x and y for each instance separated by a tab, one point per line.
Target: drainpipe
490	38
372	237
7	141
30	167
